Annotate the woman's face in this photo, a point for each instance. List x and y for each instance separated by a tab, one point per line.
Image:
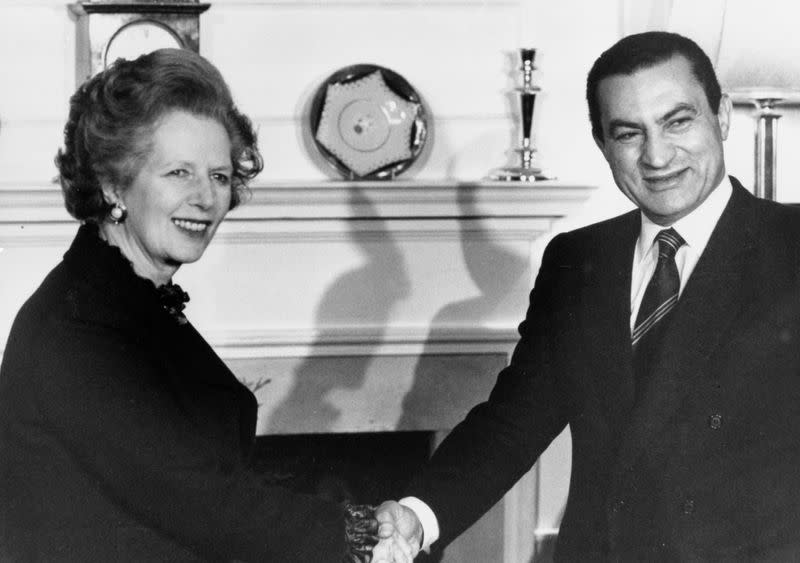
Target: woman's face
177	199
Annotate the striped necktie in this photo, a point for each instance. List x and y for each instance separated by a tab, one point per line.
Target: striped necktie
660	297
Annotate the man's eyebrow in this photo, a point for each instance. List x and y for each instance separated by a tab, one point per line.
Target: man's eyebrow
621	123
676	110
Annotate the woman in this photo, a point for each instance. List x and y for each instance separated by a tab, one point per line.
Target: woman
123	437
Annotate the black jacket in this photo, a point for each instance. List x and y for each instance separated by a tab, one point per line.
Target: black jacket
704	464
123	437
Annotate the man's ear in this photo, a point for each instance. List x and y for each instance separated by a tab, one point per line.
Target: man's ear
724	115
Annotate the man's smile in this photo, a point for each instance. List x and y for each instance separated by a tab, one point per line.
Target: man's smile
664	181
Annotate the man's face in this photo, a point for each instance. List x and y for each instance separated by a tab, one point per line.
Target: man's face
661	138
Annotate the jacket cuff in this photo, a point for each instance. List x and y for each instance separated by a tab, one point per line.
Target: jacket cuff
430	525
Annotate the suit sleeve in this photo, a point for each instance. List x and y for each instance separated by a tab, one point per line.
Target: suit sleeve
102	397
500	439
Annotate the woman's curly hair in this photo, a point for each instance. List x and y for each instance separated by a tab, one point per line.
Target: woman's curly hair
113	116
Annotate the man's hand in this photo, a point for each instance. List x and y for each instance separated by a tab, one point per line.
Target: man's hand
399	530
394	549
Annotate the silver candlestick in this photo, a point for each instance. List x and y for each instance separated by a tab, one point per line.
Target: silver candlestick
527	171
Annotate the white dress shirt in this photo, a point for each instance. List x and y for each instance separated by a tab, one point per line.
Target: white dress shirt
695	229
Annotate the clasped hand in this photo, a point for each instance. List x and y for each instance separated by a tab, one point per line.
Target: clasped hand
400	534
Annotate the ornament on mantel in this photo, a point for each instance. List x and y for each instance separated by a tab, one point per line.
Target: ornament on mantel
367	122
527	170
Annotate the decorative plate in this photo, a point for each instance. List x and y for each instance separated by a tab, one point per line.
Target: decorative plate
368	122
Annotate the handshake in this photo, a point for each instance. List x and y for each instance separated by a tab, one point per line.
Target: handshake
399	538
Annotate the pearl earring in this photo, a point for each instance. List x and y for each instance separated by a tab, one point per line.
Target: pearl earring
118	213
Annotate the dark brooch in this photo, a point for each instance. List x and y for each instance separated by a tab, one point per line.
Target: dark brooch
173	299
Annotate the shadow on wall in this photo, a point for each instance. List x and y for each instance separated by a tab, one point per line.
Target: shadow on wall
366	296
495	281
363	296
496	272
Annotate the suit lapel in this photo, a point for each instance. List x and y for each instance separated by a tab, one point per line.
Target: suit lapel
714	295
711	301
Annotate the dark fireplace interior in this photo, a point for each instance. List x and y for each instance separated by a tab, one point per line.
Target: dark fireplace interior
365	468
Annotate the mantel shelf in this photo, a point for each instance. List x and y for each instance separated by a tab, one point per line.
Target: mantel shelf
275	200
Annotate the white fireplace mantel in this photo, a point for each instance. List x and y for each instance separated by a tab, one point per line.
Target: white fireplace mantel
264	287
255	290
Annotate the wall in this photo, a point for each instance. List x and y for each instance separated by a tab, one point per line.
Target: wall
458	55
455	52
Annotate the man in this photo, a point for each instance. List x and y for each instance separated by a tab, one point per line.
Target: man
673	357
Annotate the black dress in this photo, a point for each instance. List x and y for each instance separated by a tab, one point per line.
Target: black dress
124	437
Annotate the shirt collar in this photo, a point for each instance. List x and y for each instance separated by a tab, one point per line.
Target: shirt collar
696	227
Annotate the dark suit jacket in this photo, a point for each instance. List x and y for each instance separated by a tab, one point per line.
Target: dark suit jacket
123	437
702	461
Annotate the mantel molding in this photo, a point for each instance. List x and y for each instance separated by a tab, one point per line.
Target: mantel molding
282	342
349	200
411	198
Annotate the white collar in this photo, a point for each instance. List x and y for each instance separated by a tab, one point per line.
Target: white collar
696	227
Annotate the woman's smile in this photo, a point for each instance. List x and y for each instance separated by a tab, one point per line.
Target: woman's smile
192	226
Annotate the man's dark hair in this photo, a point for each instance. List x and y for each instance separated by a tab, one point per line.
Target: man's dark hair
645	50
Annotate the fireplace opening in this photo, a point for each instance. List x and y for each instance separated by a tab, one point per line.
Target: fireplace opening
365	468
